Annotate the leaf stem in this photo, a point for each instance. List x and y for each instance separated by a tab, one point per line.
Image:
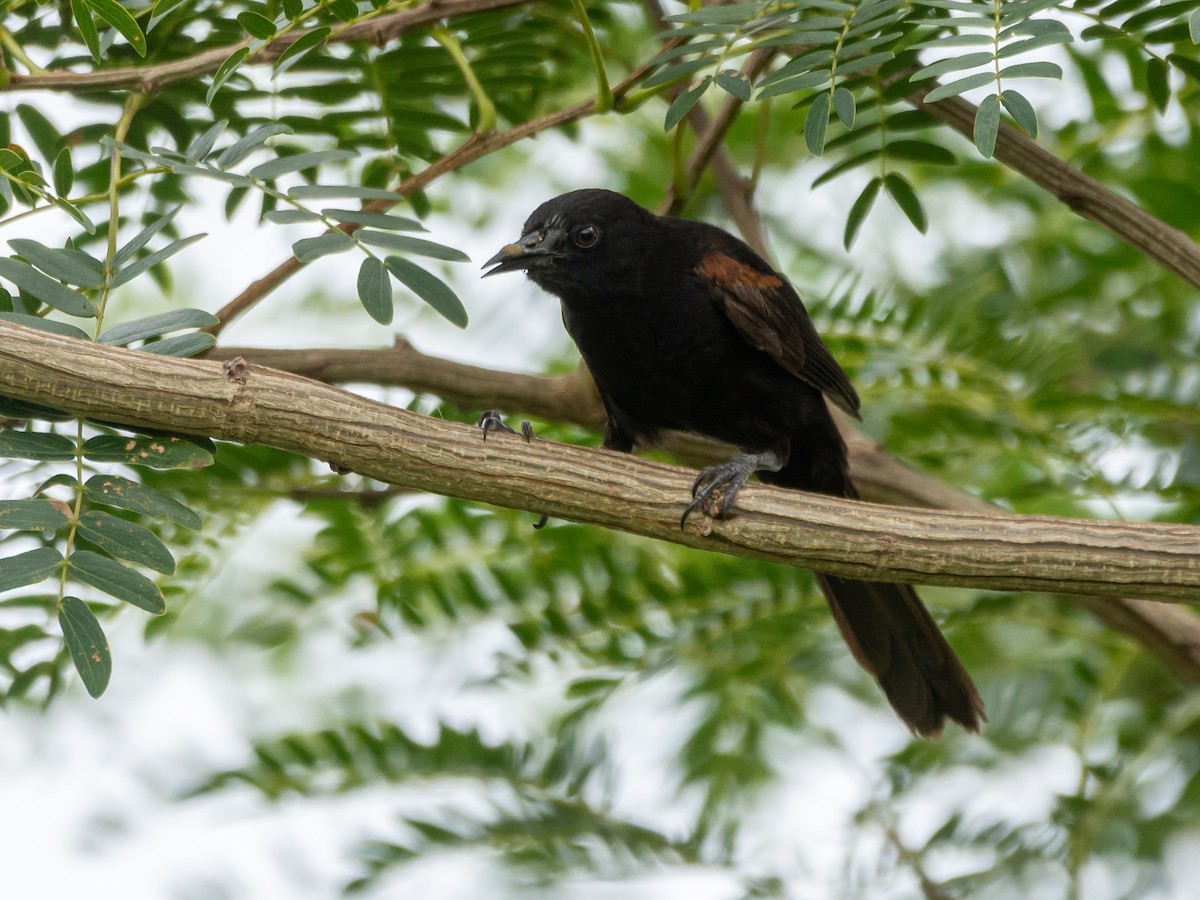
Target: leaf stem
10	44
604	94
487	109
133	103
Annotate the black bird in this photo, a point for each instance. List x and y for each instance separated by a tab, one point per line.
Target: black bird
685	328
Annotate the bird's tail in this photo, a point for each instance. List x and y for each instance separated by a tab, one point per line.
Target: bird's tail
887	627
893	636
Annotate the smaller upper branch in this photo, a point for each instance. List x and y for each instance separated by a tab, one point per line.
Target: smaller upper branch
1169	247
151	78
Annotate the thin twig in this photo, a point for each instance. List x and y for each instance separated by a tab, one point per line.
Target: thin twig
152	78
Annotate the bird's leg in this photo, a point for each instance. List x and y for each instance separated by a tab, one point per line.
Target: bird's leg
491	420
716	487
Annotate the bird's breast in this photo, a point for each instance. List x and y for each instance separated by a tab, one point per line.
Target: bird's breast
680	367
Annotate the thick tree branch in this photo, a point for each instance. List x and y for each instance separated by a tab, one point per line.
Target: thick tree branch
1001	552
150	78
1171	633
561	398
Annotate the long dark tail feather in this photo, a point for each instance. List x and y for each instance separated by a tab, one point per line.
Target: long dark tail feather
887	627
893	636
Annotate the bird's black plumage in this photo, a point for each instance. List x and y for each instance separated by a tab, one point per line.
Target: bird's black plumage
685	328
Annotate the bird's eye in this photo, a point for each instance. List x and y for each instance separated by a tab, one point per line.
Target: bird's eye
586	236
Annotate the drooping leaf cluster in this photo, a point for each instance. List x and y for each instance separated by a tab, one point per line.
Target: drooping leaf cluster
842	59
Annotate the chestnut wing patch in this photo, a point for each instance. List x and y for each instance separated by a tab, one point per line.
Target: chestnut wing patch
769	316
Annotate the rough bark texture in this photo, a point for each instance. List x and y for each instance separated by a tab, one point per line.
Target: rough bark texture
1001	552
1169	632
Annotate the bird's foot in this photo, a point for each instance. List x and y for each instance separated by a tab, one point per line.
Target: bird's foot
491	420
717	487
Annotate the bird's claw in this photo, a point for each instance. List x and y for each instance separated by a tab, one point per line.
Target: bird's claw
491	420
715	489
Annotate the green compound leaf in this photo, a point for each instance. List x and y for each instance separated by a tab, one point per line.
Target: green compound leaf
72	266
921	151
987	125
31	567
291	216
375	290
429	288
46	289
119	18
87	27
143	237
858	212
224	73
843	104
87	644
955	64
144	450
257	25
906	198
816	124
307	42
373	219
31	515
338	191
117	580
39	445
122	493
1185	64
49	325
126	540
235	153
307	249
202	146
136	268
406	244
1033	70
675	72
298	162
1021	110
954	88
683	104
181	345
152	326
1158	83
64	173
734	83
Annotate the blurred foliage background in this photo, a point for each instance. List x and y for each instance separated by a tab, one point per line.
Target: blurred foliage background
570	711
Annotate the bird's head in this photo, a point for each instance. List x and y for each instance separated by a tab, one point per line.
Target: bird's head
578	240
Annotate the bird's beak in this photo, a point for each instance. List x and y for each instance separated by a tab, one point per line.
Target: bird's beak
519	255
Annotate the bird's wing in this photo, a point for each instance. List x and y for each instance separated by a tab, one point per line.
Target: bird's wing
768	314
